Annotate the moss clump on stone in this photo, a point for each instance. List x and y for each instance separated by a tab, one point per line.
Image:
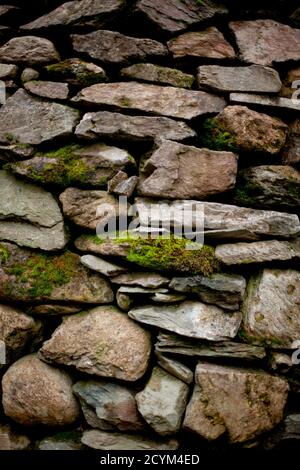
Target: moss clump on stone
4	254
214	137
77	73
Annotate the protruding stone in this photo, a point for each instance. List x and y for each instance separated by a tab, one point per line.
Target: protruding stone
102	266
141	279
121	185
265	101
124	301
50	90
35	393
160	75
29	74
165	101
8	71
76	72
176	368
10	439
29	50
91	341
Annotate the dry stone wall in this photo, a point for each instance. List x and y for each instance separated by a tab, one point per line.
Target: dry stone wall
149	340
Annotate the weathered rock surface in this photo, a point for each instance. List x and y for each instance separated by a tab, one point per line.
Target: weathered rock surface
232	254
124	301
141	279
265	42
209	44
173	16
258	187
291	152
266	101
271	308
8	71
12	440
91	341
31	276
239	128
166	101
114	48
102	266
51	90
76	72
291	427
225	290
167	298
89	209
174	367
160	75
120	127
35	393
30	216
101	440
29	74
163	402
44	122
62	441
230	399
121	185
170	343
29	50
222	220
114	405
18	331
254	78
190	318
95	13
178	171
54	309
75	165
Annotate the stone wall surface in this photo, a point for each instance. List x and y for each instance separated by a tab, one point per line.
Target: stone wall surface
189	111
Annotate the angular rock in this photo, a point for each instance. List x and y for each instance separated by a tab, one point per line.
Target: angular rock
170	343
120	127
178	171
35	393
190	318
225	290
76	72
232	254
12	440
16	152
280	362
121	185
265	42
75	165
8	71
226	220
163	401
252	79
102	266
244	403
89	209
8	12
167	298
174	16
51	90
30	216
266	101
93	13
141	279
166	101
91	341
258	187
101	440
124	302
45	122
271	308
114	405
29	50
31	276
62	441
29	74
18	331
155	74
140	290
240	128
209	44
176	368
114	48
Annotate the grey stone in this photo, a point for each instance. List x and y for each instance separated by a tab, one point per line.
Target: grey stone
266	101
254	79
291	427
176	368
29	74
225	290
190	318
102	266
62	441
280	362
121	185
120	127
124	301
271	307
141	279
8	71
165	101
141	290
30	216
157	74
10	439
167	298
115	48
76	72
16	152
163	401
51	90
29	50
28	120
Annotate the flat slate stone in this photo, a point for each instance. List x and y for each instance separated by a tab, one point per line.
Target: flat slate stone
266	101
29	50
141	279
157	74
190	318
51	90
174	16
30	216
95	13
178	171
209	44
76	72
174	367
114	48
252	79
265	42
46	121
166	101
102	266
232	254
271	308
120	127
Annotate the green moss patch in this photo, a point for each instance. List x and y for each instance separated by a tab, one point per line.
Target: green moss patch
215	137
